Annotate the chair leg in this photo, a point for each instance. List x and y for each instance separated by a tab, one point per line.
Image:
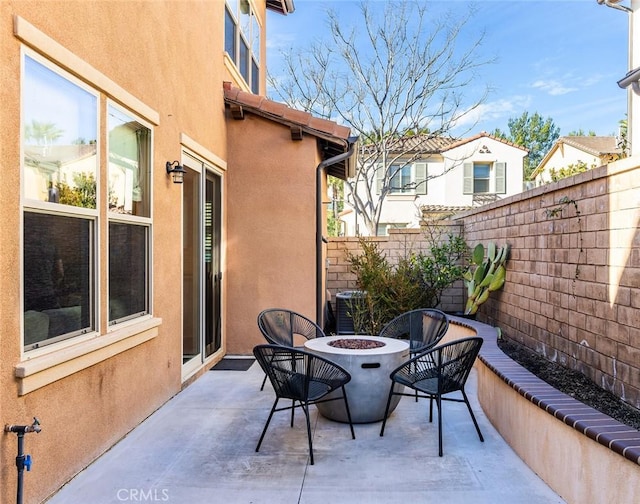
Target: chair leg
264	431
346	406
293	409
439	406
305	408
386	411
473	417
263	382
431	409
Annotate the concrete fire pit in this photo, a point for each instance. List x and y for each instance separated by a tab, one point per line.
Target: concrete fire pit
370	368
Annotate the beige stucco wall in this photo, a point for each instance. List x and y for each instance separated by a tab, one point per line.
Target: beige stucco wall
151	53
271	222
579	469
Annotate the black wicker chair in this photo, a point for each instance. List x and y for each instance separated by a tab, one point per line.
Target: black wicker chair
302	377
436	372
424	328
286	328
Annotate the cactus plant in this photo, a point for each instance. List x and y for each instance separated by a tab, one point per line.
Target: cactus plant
487	276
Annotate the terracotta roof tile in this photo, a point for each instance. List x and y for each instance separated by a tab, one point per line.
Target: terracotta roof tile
274	108
484	134
282	113
297	116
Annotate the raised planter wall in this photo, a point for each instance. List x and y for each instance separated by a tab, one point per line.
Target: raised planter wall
583	455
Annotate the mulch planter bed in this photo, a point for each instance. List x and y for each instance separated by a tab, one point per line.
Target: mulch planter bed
572	383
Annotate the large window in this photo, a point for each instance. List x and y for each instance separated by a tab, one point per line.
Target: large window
59	143
242	40
404	179
61	199
401	180
129	216
484	178
481	177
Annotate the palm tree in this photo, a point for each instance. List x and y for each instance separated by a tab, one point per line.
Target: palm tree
42	132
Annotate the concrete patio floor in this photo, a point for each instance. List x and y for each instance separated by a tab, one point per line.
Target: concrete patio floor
200	448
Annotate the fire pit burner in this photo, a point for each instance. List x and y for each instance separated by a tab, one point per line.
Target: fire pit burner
356	344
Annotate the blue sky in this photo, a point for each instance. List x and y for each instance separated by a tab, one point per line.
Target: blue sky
560	58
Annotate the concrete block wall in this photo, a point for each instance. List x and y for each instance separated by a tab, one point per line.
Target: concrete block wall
400	243
573	278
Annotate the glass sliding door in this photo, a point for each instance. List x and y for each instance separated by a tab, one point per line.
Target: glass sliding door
202	275
212	273
191	275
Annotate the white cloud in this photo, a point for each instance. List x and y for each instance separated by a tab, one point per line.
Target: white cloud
553	87
493	112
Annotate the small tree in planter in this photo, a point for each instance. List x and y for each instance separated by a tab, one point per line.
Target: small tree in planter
485	275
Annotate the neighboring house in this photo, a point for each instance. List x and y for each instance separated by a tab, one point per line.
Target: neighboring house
568	151
450	176
120	285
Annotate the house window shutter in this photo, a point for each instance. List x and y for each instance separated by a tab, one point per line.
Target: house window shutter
379	178
501	178
467	186
421	178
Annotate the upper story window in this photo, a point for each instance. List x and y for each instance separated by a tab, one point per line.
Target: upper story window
484	178
61	206
242	40
481	177
405	179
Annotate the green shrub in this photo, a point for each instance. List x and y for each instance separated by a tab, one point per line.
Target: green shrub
416	281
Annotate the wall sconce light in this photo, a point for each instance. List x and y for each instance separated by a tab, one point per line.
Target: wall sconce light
177	170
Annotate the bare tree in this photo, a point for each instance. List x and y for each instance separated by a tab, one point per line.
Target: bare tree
393	72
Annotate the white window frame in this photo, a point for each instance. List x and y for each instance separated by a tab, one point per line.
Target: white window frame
147	222
55	209
414	179
57	361
251	41
497	177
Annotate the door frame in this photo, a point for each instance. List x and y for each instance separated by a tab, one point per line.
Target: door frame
203	166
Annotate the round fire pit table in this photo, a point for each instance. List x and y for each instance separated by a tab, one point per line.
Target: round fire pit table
369	360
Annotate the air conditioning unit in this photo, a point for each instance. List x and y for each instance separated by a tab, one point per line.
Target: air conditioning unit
344	305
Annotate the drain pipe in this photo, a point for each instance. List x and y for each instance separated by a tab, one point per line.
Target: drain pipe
22	461
319	238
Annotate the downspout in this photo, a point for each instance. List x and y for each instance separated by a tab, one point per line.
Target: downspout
319	238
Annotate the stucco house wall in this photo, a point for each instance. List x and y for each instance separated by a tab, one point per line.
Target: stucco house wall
482	149
104	384
271	253
562	158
